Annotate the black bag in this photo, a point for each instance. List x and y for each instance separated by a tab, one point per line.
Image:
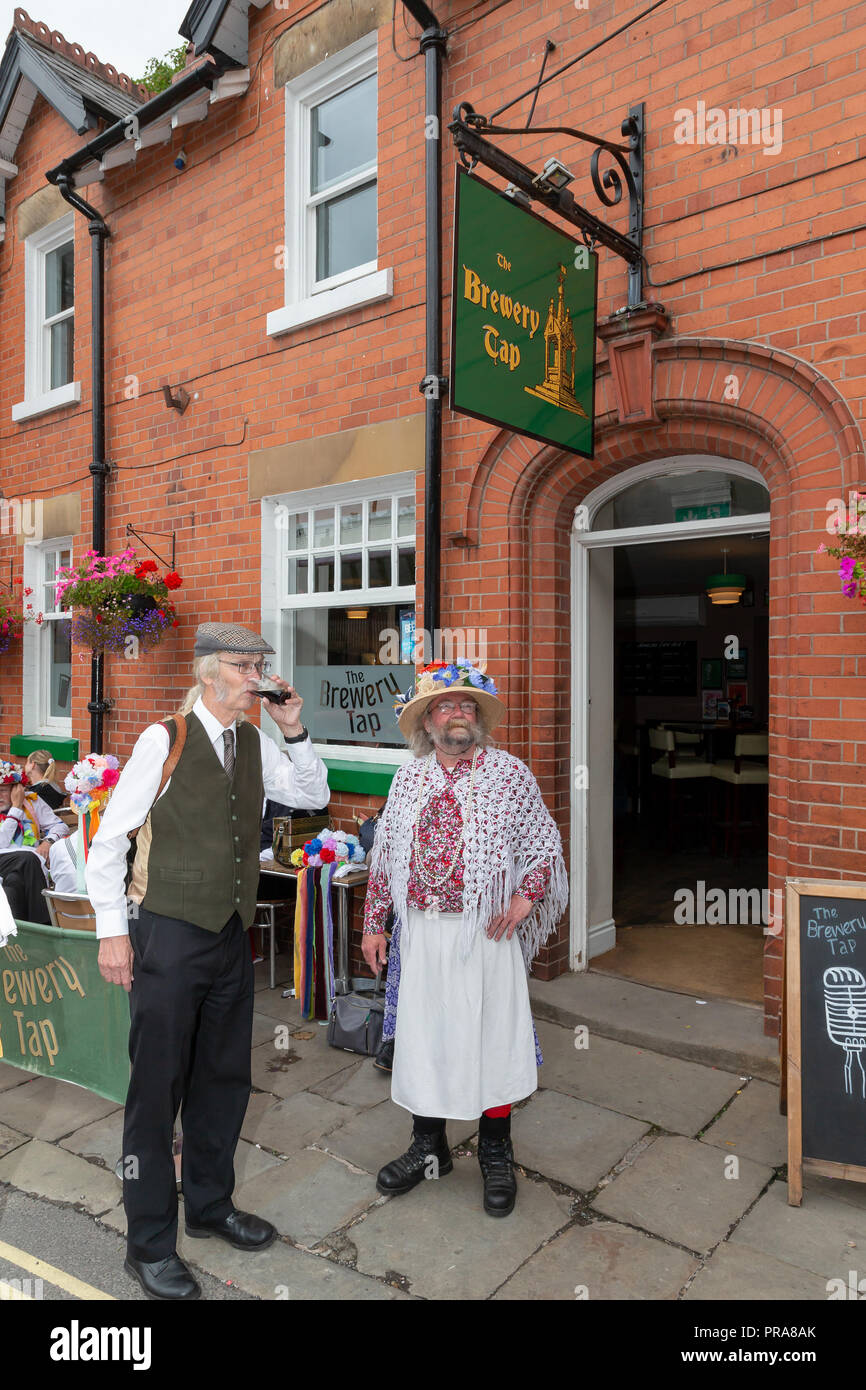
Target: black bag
356	1021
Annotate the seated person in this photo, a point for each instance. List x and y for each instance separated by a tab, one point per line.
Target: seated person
41	772
28	828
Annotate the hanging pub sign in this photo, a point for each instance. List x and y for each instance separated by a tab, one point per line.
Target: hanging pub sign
523	320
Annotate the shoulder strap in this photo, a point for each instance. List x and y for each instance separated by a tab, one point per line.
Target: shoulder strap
176	741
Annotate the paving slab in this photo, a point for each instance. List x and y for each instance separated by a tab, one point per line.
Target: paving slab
824	1235
13	1076
285	1071
360	1085
376	1136
283	1273
308	1196
48	1171
665	1091
10	1139
601	1261
263	1028
844	1191
717	1032
677	1189
272	1003
50	1109
752	1126
737	1273
250	1161
570	1140
439	1238
291	1124
102	1140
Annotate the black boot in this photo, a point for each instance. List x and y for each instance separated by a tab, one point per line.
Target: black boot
426	1157
496	1160
385	1056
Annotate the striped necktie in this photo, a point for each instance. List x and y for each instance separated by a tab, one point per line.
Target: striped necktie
229	755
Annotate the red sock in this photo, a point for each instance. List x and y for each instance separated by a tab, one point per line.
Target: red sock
498	1112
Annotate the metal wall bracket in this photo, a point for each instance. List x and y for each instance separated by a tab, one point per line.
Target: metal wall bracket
625	168
140	535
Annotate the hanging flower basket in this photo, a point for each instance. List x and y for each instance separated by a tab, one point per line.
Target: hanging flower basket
851	550
115	597
14	613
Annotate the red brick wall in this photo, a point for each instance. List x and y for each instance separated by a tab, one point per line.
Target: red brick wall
191	273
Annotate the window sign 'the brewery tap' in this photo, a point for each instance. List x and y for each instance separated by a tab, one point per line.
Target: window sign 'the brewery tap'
523	320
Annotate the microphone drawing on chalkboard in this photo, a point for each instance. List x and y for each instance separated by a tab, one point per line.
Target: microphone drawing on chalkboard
845	1006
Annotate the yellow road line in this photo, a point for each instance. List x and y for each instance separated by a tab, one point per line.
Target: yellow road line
7	1292
51	1274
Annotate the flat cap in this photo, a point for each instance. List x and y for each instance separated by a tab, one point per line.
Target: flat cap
228	637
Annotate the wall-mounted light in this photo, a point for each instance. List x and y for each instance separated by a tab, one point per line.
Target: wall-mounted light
517	195
357	612
554	175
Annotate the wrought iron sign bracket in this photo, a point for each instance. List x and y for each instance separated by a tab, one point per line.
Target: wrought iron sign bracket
469	130
140	535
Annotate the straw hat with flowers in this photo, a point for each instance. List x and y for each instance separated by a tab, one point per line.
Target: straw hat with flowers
459	678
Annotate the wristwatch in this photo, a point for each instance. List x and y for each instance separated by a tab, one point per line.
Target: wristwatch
298	738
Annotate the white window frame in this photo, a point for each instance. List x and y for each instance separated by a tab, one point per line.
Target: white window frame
275	600
307	300
38	394
35	659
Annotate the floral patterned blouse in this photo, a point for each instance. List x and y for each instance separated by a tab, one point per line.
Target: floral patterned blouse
438	832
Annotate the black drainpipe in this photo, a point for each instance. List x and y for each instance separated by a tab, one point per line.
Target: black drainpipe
99	468
433	47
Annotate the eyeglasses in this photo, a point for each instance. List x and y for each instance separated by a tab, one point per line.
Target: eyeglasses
248	668
449	707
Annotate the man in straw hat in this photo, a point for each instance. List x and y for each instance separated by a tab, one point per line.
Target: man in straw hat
185	951
472	860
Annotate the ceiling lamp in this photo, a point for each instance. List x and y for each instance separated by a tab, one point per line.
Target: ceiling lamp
356	612
725	588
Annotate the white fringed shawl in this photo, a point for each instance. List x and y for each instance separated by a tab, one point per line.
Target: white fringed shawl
510	832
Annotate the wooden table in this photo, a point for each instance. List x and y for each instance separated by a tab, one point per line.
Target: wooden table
345	883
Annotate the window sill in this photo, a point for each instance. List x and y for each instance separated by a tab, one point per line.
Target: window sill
64	750
367	289
374	779
51	400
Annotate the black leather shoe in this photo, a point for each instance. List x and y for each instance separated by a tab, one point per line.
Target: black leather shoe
240	1228
426	1157
166	1279
385	1056
496	1159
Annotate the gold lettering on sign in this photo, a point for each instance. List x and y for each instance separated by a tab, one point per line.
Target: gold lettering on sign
475	290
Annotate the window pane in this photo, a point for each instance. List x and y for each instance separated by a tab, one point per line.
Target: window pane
346	232
323	574
351	523
406	567
298	531
380	569
681	497
351	570
61	336
379	525
297	577
343	135
59	280
60	668
346	673
323	527
406	516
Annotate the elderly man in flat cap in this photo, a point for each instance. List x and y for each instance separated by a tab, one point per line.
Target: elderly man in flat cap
182	949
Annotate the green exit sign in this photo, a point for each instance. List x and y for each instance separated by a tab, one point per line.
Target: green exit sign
523	320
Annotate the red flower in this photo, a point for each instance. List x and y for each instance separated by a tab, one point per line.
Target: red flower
327	856
110	777
146	567
175	623
173	580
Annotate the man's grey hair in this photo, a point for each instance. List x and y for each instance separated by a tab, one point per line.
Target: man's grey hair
209	667
421	743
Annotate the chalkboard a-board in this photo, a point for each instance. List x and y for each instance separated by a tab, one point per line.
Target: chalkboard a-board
825	1027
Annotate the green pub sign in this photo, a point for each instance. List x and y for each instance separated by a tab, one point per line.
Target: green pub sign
523	320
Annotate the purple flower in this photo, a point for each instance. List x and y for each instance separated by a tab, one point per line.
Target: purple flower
846	567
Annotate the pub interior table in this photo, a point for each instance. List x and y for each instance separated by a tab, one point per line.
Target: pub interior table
344	886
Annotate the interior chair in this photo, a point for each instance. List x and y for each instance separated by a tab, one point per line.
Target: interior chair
747	768
677	771
70	911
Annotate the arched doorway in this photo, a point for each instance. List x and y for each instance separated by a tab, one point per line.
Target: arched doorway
646	645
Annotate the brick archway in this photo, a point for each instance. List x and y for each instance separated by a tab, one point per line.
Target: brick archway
510	540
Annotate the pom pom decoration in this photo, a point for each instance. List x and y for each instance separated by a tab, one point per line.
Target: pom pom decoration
12	773
90	781
329	847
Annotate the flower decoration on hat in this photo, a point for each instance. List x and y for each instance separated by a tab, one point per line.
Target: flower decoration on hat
91	780
11	774
444	675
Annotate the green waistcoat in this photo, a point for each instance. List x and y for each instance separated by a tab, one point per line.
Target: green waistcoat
197	854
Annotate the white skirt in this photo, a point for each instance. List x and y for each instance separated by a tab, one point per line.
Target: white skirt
464	1036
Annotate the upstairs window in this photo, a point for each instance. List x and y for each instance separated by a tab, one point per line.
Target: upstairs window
49	316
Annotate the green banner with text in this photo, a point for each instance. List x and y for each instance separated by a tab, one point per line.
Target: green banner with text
523	320
58	1017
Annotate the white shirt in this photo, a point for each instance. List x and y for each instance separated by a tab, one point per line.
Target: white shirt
51	827
296	777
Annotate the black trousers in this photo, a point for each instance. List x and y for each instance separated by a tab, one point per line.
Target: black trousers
191	1008
22	881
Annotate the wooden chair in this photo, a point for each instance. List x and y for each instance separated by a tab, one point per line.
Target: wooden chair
70	911
675	770
736	773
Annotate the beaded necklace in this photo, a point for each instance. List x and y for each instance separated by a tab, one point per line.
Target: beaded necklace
429	883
